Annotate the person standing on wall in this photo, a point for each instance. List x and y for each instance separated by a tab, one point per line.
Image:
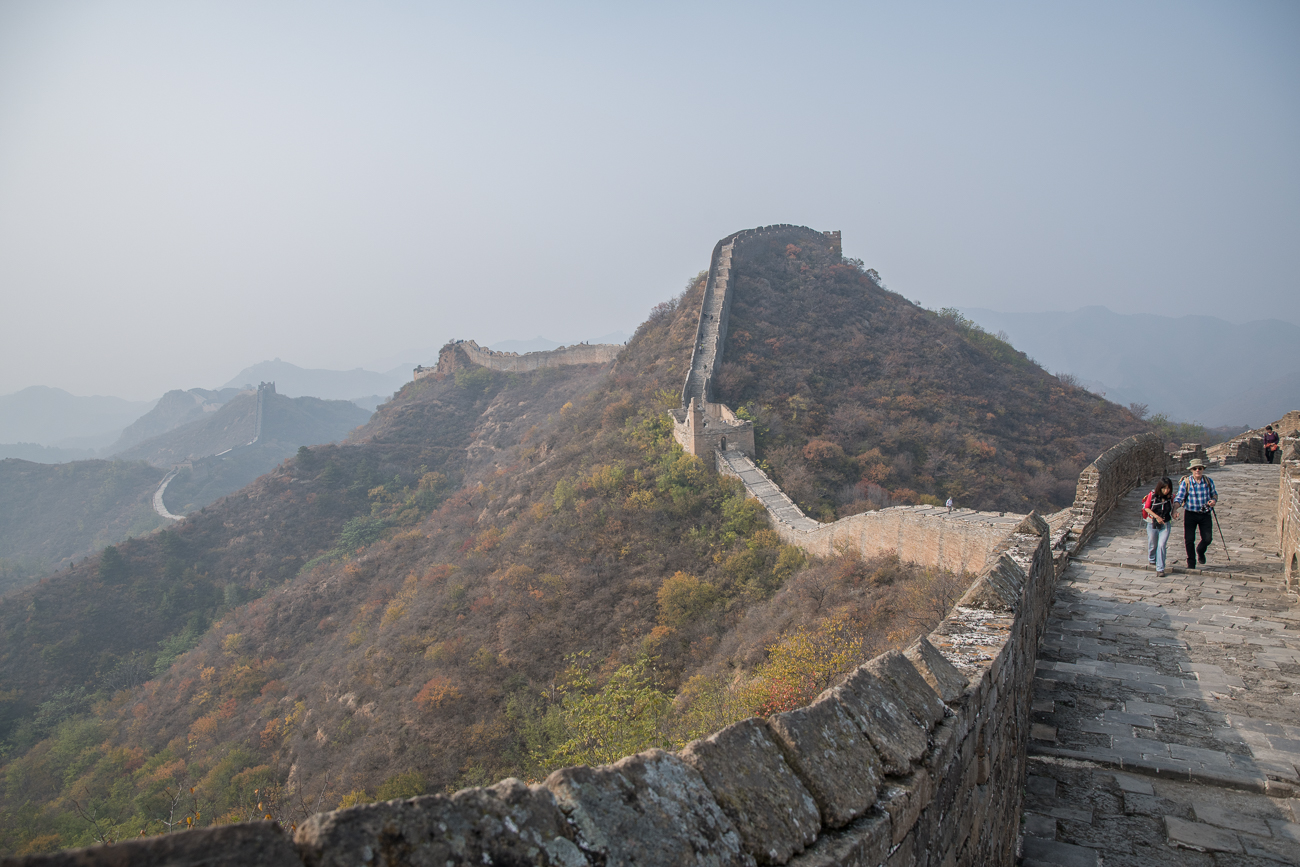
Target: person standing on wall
1271	440
1197	495
1159	513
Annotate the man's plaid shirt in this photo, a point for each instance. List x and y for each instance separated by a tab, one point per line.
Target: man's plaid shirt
1195	495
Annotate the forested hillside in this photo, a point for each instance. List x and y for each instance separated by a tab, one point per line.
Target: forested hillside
862	399
51	514
287	424
498	574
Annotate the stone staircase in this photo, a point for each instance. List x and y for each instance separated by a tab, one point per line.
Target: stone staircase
734	462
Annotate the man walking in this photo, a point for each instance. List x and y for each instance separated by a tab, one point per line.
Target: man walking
1197	496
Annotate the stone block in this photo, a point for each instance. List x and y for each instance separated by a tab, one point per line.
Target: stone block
1204	838
648	809
916	694
1233	821
904	801
770	808
998	589
942	676
250	844
506	823
943	746
1032	525
864	843
1039	852
880	713
832	757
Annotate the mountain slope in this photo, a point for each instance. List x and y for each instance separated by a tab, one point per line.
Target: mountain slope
497	574
861	399
52	514
218	445
175	408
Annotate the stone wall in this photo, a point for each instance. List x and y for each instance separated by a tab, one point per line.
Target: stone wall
582	353
1288	513
915	758
959	541
1102	483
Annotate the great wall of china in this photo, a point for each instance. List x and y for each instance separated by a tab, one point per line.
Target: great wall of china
513	362
263	388
917	758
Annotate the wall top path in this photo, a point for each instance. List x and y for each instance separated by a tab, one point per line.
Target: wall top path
1173	699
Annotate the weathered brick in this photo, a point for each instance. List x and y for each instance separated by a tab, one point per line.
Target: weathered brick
879	711
506	823
770	808
942	676
832	756
916	694
648	809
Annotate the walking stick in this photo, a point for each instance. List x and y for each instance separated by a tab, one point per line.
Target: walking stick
1220	529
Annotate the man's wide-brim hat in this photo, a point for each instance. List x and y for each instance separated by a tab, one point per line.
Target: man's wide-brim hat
1196	462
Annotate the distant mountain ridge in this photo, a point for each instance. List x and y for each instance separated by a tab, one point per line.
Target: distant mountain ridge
288	422
173	409
54	417
294	381
1192	368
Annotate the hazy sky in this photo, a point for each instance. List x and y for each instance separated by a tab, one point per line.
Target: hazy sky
189	188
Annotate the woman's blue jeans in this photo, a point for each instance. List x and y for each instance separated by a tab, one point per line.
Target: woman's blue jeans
1157	543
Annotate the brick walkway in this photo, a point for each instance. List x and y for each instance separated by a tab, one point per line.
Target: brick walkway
1167	710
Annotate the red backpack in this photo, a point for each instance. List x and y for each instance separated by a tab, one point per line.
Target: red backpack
1146	504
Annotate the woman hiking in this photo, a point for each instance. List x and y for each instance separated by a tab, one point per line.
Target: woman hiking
1159	513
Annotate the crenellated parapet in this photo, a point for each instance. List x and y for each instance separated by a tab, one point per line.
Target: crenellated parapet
514	362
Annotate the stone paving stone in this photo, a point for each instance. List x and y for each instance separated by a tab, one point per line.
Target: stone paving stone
1144	708
1213	815
1285	830
1041	732
1038	825
1042	786
1205	838
1038	851
1136	785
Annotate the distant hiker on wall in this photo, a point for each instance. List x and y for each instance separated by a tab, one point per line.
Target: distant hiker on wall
949	504
1197	495
1158	509
1271	442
